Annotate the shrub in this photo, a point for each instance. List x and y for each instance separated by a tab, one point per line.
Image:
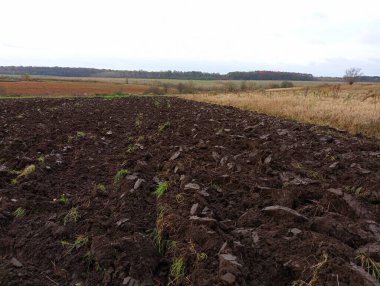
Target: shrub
3	91
155	90
287	84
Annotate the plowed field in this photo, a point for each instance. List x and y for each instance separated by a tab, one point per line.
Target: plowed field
152	191
66	88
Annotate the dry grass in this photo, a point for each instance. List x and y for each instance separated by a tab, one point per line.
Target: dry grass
352	108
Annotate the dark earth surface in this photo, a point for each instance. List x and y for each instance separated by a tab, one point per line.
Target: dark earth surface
252	199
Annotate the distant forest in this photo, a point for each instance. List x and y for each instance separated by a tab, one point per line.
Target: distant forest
190	75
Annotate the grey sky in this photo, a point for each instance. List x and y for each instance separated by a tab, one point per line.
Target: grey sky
320	37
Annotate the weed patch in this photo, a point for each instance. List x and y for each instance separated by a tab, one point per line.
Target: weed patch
162	187
177	268
80	241
19	213
119	176
369	265
72	216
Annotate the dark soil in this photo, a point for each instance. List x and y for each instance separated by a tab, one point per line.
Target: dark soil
278	201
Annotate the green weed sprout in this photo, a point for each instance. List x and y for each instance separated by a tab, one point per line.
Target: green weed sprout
19	213
72	216
369	265
80	241
63	200
177	269
119	176
161	189
27	171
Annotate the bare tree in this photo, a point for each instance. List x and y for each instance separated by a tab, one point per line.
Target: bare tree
352	75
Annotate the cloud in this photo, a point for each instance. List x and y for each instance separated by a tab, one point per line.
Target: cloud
188	35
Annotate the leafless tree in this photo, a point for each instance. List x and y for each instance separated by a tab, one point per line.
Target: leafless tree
352	75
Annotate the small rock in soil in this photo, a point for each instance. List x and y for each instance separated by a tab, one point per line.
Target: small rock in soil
281	211
129	281
223	248
224	160
175	155
138	183
228	263
204	193
337	192
131	177
179	168
203	220
228	278
120	222
141	163
192	186
15	262
295	231
302	181
268	160
216	156
230	166
193	209
333	165
140	146
205	211
362	170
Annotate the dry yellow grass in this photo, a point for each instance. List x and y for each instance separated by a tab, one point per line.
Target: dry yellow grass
352	108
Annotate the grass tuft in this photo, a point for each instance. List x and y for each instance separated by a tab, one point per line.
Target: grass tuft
162	187
27	171
369	265
72	216
41	159
139	120
177	268
101	188
163	126
161	243
64	200
19	213
314	277
119	176
80	241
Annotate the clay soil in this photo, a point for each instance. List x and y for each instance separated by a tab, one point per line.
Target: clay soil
252	200
66	88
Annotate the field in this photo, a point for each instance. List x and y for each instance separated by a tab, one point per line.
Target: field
161	190
66	88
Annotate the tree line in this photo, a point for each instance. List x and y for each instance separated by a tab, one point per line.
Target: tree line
180	75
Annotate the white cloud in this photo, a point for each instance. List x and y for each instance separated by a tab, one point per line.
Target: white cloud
183	34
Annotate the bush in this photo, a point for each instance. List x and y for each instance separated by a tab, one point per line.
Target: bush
186	88
274	85
231	87
287	84
155	90
3	91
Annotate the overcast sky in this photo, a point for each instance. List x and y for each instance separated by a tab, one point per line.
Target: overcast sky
322	37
